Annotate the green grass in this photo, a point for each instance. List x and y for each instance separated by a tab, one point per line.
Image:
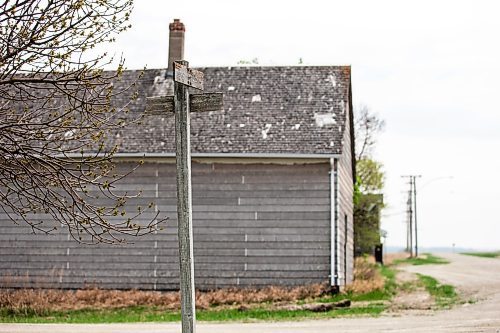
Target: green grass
373	296
390	280
483	254
129	314
444	294
151	314
427	259
262	314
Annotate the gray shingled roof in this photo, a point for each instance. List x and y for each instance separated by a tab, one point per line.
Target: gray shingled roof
273	110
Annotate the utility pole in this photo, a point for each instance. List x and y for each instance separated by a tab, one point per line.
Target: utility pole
412	214
409	214
407	249
415	211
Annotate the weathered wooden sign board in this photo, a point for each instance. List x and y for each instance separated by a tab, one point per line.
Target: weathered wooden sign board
188	76
182	103
197	103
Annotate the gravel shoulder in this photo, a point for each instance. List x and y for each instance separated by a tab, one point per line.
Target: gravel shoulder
477	279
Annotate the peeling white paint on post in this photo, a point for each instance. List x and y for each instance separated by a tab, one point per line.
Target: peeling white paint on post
184	202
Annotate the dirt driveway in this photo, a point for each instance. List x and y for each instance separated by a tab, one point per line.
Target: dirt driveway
476	278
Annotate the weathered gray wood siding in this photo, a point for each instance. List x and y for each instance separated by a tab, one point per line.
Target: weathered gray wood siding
345	217
254	225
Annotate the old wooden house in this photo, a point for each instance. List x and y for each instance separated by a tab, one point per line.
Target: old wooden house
272	189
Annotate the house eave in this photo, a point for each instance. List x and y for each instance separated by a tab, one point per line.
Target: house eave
207	155
229	155
224	158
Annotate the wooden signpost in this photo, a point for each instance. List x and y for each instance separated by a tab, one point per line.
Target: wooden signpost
182	103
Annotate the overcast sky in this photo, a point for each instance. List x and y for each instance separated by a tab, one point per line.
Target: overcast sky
431	69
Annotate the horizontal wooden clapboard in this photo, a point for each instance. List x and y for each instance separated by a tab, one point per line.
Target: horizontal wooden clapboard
253	225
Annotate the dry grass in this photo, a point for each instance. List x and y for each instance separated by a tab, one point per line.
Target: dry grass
367	277
267	294
390	258
40	301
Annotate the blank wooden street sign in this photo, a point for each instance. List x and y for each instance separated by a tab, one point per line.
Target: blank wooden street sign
158	106
182	103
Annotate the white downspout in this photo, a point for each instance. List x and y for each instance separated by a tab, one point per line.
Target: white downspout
334	217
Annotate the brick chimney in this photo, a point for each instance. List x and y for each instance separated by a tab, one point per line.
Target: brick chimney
175	44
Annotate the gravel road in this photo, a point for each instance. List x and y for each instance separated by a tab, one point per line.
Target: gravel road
476	278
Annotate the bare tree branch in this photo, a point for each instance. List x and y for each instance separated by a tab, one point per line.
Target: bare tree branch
367	126
57	106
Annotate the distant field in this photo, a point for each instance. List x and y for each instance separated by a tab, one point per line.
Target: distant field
424	259
493	254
